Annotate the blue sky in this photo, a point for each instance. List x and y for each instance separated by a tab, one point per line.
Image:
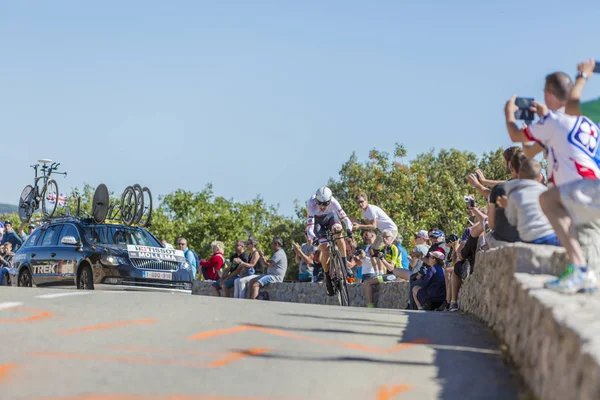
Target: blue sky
266	97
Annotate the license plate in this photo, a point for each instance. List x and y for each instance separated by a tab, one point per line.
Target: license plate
157	275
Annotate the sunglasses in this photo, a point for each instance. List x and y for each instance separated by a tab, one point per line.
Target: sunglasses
181	244
323	203
360	201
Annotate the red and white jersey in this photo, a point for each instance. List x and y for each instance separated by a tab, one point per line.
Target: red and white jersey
313	210
571	146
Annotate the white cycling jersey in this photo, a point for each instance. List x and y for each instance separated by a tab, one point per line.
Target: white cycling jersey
314	211
571	146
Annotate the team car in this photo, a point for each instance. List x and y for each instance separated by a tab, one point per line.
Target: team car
81	252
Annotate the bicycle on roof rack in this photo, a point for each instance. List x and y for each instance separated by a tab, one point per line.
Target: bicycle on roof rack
135	206
44	191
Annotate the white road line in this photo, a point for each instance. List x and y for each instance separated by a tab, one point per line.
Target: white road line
55	295
9	304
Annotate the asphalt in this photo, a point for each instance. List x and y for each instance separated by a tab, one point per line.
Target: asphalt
117	345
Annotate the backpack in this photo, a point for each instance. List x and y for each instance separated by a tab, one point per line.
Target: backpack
195	257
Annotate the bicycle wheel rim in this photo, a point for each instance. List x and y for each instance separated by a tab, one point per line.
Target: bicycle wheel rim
50	198
26	204
147	214
139	203
128	206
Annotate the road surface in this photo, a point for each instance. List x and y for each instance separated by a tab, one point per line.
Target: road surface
117	345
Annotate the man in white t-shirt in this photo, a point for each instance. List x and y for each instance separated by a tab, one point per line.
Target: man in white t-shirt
375	218
572	145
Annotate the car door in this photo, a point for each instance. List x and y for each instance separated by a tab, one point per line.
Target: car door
43	265
67	254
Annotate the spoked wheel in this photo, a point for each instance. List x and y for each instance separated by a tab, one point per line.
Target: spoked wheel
86	279
139	203
25	278
26	204
147	212
128	205
340	280
50	198
100	203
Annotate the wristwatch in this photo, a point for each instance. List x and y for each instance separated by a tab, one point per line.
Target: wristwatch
581	75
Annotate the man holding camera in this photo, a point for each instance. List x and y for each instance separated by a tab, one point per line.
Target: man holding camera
571	143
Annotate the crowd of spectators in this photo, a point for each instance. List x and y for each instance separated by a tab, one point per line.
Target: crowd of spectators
10	241
531	207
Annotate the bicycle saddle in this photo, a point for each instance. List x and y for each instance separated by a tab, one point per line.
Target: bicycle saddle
45	161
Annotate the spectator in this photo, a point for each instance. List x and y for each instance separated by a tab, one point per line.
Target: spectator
465	257
10	236
421	247
317	267
22	233
367	270
502	230
168	245
375	218
227	281
276	268
585	71
353	259
6	257
211	268
437	238
304	257
455	246
429	289
251	269
388	258
523	208
189	255
402	253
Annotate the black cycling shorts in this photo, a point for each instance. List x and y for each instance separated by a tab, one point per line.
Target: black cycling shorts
326	222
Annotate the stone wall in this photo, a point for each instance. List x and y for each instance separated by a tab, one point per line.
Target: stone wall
553	339
386	295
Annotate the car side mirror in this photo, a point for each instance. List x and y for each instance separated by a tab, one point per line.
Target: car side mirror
70	241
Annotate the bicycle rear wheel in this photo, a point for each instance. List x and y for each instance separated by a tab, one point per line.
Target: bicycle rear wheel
128	205
26	204
147	212
139	203
341	278
50	198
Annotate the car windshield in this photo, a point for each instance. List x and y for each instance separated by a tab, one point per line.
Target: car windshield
119	236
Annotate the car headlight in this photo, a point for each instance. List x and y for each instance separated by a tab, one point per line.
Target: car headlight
111	260
186	265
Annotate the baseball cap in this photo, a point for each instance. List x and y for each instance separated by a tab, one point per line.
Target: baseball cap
7	223
437	233
439	254
31	226
422	234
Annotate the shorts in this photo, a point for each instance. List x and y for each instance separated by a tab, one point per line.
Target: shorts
367	276
228	283
550	240
582	200
463	269
264	280
325	222
422	296
386	278
378	243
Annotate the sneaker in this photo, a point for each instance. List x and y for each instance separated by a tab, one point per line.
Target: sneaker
443	307
574	280
329	285
453	307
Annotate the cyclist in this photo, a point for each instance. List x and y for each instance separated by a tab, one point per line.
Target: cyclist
324	213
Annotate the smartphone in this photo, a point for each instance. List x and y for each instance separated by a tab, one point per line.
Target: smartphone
597	67
524	113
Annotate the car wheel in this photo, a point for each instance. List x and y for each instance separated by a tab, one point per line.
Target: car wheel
25	278
86	279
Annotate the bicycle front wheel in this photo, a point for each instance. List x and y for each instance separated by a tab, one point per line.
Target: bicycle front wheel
341	278
26	206
50	198
139	203
128	205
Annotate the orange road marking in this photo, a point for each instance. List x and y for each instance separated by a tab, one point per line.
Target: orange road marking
107	326
37	315
219	332
237	356
4	369
389	392
158	361
277	332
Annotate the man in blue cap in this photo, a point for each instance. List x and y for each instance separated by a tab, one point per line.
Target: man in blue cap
11	236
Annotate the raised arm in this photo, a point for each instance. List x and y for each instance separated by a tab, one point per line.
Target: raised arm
585	71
